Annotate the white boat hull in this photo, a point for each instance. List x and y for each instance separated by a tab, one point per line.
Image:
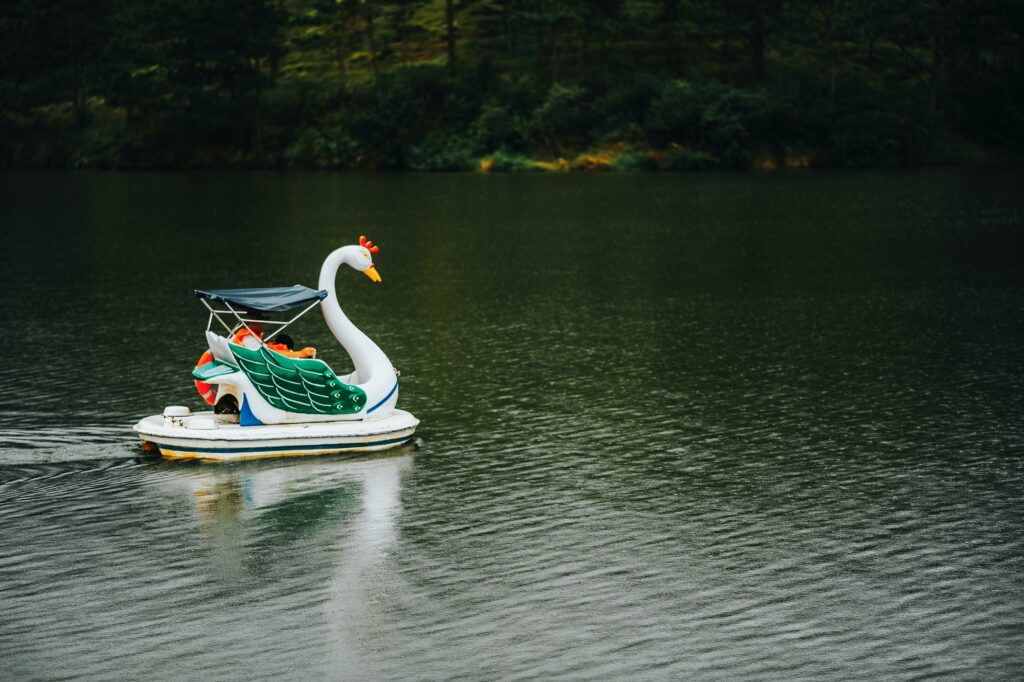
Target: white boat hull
207	436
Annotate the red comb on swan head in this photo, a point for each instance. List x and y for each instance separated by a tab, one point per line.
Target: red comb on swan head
368	245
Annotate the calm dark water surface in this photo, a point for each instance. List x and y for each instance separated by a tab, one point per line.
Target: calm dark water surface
674	426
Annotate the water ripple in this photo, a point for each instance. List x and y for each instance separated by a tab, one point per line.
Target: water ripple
780	449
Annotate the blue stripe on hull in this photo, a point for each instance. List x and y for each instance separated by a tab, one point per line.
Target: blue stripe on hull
390	393
285	448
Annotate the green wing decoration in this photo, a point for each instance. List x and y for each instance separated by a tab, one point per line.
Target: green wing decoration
301	385
212	370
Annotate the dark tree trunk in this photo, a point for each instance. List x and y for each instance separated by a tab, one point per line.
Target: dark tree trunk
78	107
78	99
506	13
756	39
449	20
554	56
371	40
340	47
339	59
671	16
934	75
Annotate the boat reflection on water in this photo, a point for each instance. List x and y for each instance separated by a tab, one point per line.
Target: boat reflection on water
305	543
262	521
225	494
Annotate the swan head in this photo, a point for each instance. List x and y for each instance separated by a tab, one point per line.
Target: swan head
361	258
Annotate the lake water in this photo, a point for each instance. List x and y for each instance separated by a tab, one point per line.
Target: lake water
716	426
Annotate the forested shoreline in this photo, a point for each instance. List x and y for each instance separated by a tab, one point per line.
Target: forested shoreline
498	85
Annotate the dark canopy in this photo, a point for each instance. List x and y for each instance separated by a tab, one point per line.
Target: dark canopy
270	300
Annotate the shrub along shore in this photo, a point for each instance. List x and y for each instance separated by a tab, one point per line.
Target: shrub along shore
504	85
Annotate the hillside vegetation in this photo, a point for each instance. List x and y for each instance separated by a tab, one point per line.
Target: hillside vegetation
499	85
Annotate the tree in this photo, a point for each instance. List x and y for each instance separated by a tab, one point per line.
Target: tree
58	51
201	65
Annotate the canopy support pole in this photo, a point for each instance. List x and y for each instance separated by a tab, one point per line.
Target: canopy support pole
213	314
285	324
242	321
267	337
239	317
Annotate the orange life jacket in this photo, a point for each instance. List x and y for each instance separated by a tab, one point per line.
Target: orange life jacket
241	334
281	348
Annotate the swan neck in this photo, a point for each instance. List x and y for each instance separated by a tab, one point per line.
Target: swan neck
368	358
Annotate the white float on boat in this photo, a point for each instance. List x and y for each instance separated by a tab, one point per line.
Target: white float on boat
288	403
181	434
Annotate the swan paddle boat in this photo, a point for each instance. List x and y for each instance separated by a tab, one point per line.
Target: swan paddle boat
271	402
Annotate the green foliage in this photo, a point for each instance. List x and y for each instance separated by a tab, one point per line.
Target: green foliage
502	161
562	123
683	159
631	161
442	151
331	146
498	127
726	122
672	84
